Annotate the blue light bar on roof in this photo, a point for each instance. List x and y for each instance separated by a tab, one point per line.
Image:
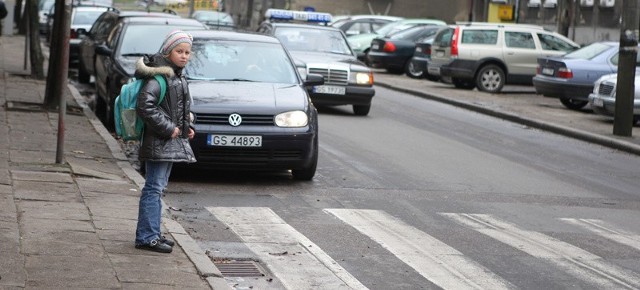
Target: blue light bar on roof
289	15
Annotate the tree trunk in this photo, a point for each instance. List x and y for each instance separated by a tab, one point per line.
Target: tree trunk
35	49
564	16
17	16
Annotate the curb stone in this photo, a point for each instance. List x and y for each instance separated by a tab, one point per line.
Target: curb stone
205	267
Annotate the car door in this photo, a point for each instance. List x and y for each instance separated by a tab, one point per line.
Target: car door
520	53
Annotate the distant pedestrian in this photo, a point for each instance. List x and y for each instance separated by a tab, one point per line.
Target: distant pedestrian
166	135
3	13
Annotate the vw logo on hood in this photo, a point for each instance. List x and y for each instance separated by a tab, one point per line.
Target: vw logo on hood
235	119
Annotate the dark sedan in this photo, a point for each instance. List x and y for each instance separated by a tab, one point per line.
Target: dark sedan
251	108
98	36
418	64
132	38
394	52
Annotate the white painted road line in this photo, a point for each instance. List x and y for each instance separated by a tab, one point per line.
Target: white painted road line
607	231
296	261
431	258
579	263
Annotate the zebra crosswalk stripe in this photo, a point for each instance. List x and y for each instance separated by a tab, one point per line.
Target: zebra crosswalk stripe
607	231
282	249
431	258
578	262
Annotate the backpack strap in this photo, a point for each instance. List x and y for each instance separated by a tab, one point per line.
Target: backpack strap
163	87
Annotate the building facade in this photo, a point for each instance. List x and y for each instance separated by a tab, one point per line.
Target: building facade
587	20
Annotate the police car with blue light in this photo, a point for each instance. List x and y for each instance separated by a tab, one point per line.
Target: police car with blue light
324	50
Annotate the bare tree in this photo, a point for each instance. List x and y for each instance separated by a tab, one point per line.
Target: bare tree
35	49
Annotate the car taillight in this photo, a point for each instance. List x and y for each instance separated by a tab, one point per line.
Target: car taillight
538	70
73	34
454	42
427	51
389	47
565	73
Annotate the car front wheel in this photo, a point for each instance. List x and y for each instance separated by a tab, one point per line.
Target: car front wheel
463	84
307	173
490	79
573	104
361	110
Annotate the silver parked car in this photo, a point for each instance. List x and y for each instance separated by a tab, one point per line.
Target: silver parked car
603	98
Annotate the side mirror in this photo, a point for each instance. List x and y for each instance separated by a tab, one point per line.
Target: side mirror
82	32
103	50
314	80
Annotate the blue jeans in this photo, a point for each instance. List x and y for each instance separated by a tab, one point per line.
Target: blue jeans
150	207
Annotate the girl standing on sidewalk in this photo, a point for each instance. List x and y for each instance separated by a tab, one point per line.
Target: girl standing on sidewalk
166	135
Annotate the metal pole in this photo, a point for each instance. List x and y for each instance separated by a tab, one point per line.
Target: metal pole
26	38
63	55
623	117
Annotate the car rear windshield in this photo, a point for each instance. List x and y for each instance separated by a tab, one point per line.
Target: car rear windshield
86	17
589	51
313	40
227	60
144	39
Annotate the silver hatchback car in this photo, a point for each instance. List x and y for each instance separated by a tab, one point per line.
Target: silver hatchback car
490	55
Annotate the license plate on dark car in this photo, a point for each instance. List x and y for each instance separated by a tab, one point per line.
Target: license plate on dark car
234	140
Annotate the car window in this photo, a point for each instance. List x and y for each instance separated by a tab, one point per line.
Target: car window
143	38
519	40
443	38
473	36
310	39
240	60
550	42
86	17
589	51
614	59
358	28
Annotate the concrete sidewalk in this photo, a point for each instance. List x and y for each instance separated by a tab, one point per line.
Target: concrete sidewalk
72	225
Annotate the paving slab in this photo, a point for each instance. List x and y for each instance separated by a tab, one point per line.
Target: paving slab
36	209
43	177
45	191
156	268
67	243
64	272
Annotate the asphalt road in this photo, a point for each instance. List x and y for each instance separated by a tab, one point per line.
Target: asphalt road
421	194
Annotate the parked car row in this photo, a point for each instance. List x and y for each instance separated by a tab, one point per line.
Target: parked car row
488	56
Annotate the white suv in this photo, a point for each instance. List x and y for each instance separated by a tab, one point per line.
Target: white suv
488	55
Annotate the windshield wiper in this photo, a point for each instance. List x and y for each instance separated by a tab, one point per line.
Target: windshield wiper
134	54
235	80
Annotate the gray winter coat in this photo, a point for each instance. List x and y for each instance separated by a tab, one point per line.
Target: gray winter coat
160	120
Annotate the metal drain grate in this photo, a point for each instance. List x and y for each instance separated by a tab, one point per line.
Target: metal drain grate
234	268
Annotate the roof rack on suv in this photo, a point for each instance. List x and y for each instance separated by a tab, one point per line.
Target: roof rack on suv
281	15
466	23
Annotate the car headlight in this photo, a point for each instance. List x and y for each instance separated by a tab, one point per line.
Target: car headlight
364	78
303	72
292	119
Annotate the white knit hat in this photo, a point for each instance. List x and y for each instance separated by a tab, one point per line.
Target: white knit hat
173	39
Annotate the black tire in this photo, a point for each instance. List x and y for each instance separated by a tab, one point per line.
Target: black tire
573	104
463	84
101	109
361	110
412	71
109	121
431	77
307	173
83	76
490	79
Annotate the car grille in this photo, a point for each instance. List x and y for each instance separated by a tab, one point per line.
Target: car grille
248	156
223	119
605	89
331	76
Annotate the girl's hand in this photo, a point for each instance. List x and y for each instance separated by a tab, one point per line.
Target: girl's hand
176	132
191	134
